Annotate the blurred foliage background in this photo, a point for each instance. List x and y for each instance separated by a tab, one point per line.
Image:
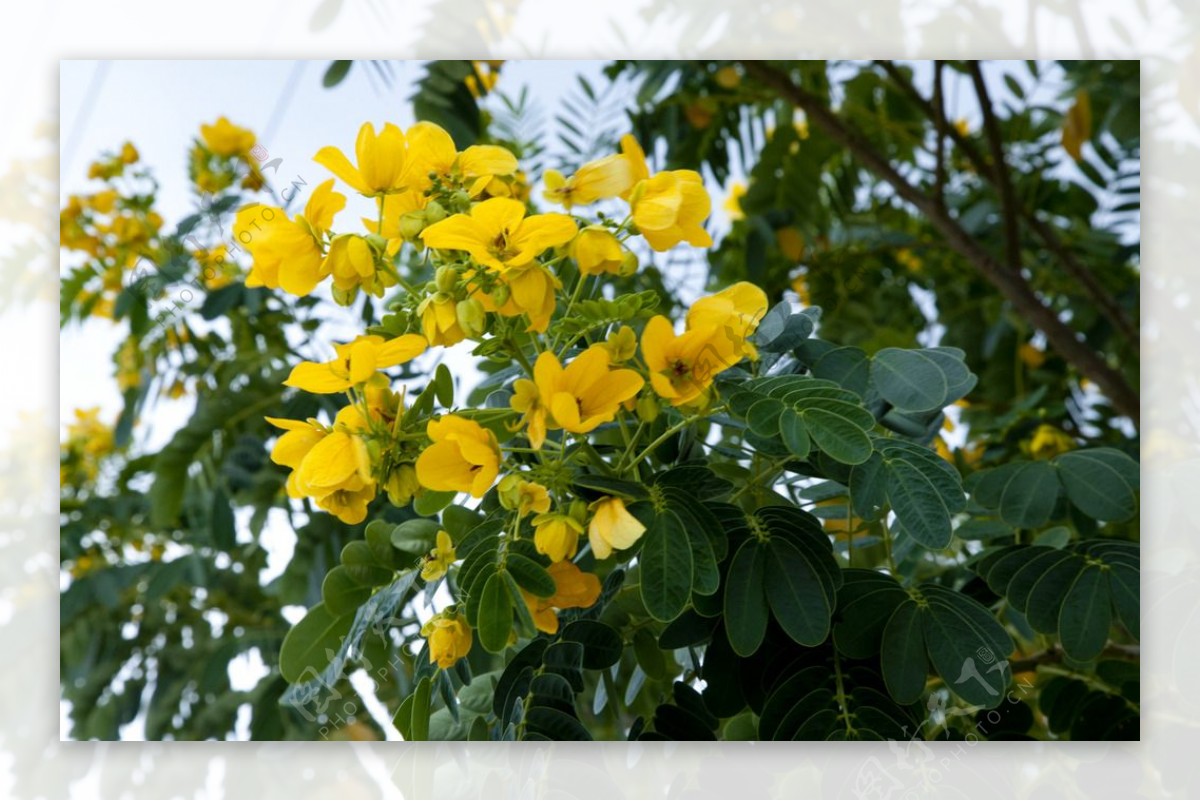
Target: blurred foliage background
989	207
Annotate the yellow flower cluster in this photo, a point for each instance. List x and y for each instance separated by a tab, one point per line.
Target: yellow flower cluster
88	442
496	276
222	157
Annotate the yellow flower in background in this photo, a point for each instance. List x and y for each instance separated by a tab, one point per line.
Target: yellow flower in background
129	154
909	260
432	151
439	560
578	398
464	457
962	127
1033	356
557	535
1077	125
574	589
381	161
683	366
449	638
226	139
498	235
330	465
612	527
597	251
603	178
790	242
356	362
1049	441
733	203
736	310
287	253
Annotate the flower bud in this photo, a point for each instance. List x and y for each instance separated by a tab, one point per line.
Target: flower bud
446	278
472	318
629	264
579	511
434	212
344	297
500	295
412	224
402	485
647	409
509	491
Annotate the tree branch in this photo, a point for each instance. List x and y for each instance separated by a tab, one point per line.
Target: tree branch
1012	285
1008	202
1066	258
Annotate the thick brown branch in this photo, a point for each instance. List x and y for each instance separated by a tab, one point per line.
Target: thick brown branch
1067	259
1012	285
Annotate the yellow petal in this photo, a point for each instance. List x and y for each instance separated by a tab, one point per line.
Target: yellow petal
399	350
336	162
320	379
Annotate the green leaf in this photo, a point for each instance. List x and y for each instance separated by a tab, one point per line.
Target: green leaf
706	576
443	386
1029	495
666	567
416	536
555	724
311	643
909	380
341	593
918	505
866	601
1086	615
428	502
795	594
602	645
419	727
838	436
221	522
1101	482
495	614
745	598
336	73
1124	586
902	653
532	577
794	433
868	488
363	566
966	645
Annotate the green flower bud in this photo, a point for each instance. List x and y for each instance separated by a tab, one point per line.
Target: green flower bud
647	409
472	318
446	278
509	491
500	295
412	224
579	511
629	264
344	297
435	212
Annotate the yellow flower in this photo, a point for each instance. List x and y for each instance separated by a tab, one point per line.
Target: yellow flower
574	589
129	153
1033	356
287	253
381	161
402	485
612	527
579	398
498	235
962	127
556	535
464	457
733	203
432	151
603	178
330	465
439	560
439	320
597	251
728	77
523	497
1049	441
356	362
350	262
909	260
735	310
668	208
682	367
449	638
790	242
226	139
671	208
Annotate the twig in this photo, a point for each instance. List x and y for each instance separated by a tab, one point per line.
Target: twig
1001	177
